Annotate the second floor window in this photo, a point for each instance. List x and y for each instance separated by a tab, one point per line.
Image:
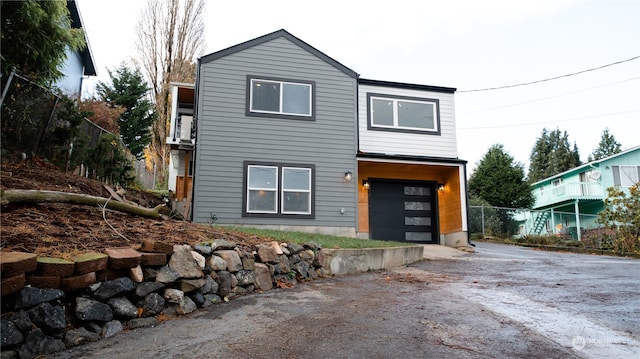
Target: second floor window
280	98
625	176
403	113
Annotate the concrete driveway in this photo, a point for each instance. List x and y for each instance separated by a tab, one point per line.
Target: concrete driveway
500	302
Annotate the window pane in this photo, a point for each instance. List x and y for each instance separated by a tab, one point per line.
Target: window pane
296	202
417	221
628	176
417	191
265	96
416	206
263	177
417	115
296	99
417	236
262	201
382	112
296	178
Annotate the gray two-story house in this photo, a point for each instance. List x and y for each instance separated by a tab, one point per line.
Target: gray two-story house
288	138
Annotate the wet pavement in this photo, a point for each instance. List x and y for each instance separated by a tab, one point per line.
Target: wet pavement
500	302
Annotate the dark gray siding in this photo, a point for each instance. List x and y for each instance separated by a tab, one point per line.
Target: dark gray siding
226	137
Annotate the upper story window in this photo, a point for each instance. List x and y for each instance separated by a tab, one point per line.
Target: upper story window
625	176
269	97
274	190
557	188
405	114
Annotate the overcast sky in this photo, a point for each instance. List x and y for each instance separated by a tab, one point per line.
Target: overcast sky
465	44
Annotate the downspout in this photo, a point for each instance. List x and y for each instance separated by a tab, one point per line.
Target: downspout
466	190
195	136
577	209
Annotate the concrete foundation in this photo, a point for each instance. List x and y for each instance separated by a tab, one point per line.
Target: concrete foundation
349	261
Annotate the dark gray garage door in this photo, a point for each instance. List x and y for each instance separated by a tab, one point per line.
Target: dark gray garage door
403	211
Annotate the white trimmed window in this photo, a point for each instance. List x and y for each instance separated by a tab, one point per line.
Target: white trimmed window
278	190
280	97
403	113
625	176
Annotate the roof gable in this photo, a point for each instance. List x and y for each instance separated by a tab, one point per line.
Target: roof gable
274	35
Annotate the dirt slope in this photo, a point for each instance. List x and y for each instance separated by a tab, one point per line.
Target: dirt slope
64	230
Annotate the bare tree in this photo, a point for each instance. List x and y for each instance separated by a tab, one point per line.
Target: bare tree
170	35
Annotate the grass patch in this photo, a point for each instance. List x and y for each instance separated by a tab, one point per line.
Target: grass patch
324	240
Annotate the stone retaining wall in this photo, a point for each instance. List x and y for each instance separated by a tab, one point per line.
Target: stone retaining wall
49	304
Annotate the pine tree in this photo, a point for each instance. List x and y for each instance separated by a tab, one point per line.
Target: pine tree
129	90
552	154
608	146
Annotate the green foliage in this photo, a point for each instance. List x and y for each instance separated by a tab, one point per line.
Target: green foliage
129	90
608	146
35	37
622	214
552	154
108	162
499	180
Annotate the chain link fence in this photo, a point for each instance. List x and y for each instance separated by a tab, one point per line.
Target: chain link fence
512	222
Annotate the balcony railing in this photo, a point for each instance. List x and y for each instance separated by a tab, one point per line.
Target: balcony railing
568	191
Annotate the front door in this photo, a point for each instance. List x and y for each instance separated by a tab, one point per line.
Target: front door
404	211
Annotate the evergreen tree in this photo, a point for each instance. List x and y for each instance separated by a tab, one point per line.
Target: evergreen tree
499	180
35	37
608	146
552	154
129	91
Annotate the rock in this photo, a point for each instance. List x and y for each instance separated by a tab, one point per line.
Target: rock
262	276
276	247
145	288
151	305
198	298
49	318
113	288
231	257
203	248
234	281
79	336
222	244
245	277
200	260
150	273
294	248
78	282
282	267
239	290
186	306
210	286
153	246
173	295
90	310
153	259
22	321
301	268
93	327
10	334
267	254
37	343
312	245
285	250
294	258
248	261
136	274
167	275
216	263
224	283
211	299
123	308
142	323
307	255
29	297
189	285
183	263
318	260
112	328
123	258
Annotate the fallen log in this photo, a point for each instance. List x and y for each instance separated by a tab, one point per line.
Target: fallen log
36	196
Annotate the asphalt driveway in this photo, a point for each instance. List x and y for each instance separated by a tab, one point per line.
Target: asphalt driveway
501	302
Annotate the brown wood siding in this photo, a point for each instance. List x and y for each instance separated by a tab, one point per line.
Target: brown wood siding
449	201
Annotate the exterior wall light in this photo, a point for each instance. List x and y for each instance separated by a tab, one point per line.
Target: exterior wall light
348	176
441	187
365	184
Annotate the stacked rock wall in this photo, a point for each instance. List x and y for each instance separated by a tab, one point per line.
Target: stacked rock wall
49	304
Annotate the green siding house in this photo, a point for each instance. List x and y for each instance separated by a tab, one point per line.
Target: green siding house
572	199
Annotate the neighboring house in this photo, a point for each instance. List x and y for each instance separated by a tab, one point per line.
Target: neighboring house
79	64
181	141
581	191
288	138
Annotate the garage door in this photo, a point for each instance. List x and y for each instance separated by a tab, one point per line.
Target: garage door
403	211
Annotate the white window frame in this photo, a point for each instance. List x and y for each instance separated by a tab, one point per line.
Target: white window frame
274	190
396	101
557	188
284	191
282	83
626	172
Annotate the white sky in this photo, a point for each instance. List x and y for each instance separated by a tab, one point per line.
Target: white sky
465	44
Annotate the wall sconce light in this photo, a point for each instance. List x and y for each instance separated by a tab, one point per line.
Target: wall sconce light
348	176
440	187
365	184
